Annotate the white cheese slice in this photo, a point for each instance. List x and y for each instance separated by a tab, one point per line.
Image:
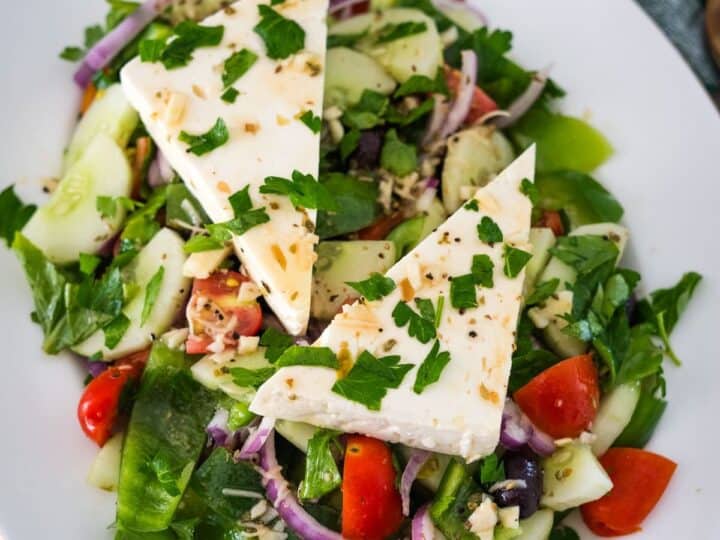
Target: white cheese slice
460	414
266	139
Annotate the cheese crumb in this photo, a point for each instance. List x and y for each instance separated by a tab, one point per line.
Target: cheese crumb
510	517
248	292
248	344
483	520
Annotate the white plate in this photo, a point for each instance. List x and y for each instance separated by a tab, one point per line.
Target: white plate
616	67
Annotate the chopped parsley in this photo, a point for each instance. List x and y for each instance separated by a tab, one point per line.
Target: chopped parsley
201	242
303	191
151	293
206	142
349	143
492	470
321	471
368	112
374	287
431	368
314	123
282	36
396	156
72	54
370	378
251	378
115	330
344	40
297	355
421	327
14	214
391	32
190	36
463	294
151	50
275	343
420	84
237	65
88	263
230	95
482	270
515	260
542	292
530	190
488	231
585	253
472	204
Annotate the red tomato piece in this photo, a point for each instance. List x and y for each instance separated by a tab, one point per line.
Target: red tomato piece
98	407
639	480
214	310
552	220
381	227
371	506
481	102
562	400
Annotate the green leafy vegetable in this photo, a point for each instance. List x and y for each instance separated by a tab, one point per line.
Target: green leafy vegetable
563	532
349	143
492	470
419	327
237	65
391	32
455	501
203	143
275	343
370	378
115	330
308	356
356	198
89	263
530	190
431	368
542	292
368	112
647	415
251	378
463	294
151	293
303	191
314	123
405	117
526	366
472	204
190	36
141	226
200	243
482	270
183	208
344	40
515	260
282	36
246	217
407	235
374	287
585	253
420	84
14	214
230	95
489	231
321	472
151	49
72	54
396	156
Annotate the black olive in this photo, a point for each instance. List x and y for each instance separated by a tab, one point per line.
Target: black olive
367	154
526	467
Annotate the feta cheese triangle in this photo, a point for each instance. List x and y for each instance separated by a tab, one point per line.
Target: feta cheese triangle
461	412
266	138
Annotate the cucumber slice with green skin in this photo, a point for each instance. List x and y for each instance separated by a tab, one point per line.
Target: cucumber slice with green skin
110	114
435	216
538	526
613	416
164	250
549	318
70	224
418	54
572	476
349	73
342	261
105	470
214	373
298	433
542	240
464	17
473	157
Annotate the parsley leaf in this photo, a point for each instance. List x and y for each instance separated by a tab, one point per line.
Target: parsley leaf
482	270
368	112
314	123
431	368
237	65
107	206
14	214
530	190
370	378
223	232
585	253
488	231
542	292
151	293
472	204
492	470
420	84
230	95
275	343
72	54
282	36
356	198
201	242
115	330
93	34
349	143
166	475
374	287
191	36
396	156
344	40
515	260
529	364
151	50
421	328
391	32
206	142
303	190
463	294
321	472
88	263
251	378
297	355
396	116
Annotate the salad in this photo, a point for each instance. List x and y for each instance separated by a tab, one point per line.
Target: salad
344	272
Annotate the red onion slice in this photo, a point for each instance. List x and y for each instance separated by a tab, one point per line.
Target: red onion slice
541	443
414	464
108	47
96	368
160	171
517	430
344	5
463	100
528	98
437	119
284	501
218	429
422	527
257	439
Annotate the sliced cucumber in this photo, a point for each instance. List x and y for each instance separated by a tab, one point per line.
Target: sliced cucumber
164	250
538	526
70	224
418	54
203	263
435	216
298	433
613	416
473	157
573	476
348	73
213	373
343	261
549	318
110	114
433	471
105	470
463	16
541	240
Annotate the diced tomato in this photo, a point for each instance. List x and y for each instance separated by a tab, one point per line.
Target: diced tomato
371	506
98	407
553	221
562	400
382	227
215	309
639	480
481	102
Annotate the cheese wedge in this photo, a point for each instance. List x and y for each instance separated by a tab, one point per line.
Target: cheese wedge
266	138
461	413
